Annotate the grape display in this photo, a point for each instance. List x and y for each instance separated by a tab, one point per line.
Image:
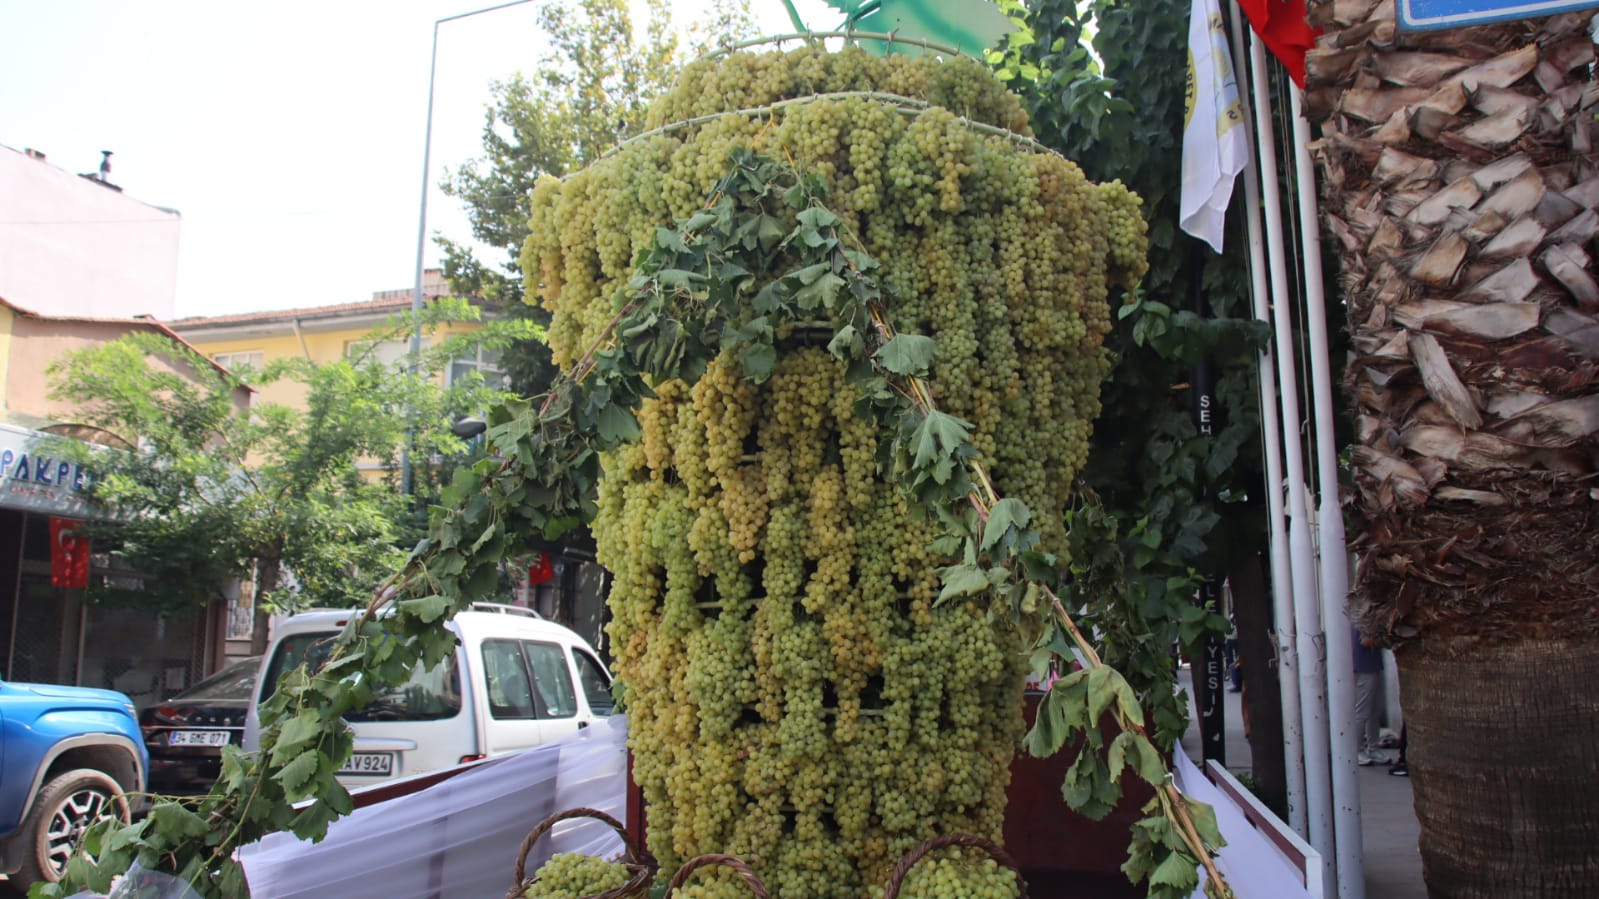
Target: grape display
573	875
796	696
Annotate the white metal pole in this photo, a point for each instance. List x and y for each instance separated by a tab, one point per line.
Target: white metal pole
422	224
1330	527
1282	595
1302	555
421	247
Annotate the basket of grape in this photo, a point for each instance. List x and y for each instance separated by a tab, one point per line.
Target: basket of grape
573	875
991	874
751	879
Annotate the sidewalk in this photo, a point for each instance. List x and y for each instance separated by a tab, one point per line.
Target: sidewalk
1387	812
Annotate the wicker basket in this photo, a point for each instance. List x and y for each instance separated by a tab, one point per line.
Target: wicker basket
752	879
638	861
954	839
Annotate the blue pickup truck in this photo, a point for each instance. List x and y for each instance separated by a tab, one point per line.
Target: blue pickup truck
68	755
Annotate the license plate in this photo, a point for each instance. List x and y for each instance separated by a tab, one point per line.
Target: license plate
197	738
368	763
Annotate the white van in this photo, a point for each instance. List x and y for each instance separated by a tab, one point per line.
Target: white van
516	680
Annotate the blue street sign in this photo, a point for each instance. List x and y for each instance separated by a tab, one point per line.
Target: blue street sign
1422	15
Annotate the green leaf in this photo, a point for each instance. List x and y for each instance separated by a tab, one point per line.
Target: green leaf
1204	818
962	580
1041	567
1145	759
1088	788
846	343
1006	514
758	362
301	730
670	240
907	354
1050	728
1177	870
426	609
810	274
617	425
818	294
172	819
232	881
1101	692
938	436
818	218
298	773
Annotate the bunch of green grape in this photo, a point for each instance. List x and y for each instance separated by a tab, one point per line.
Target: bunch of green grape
573	875
959	874
796	696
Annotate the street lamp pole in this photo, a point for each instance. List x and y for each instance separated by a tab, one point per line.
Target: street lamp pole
422	225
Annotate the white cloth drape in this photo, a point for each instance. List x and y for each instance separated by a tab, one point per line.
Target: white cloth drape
458	839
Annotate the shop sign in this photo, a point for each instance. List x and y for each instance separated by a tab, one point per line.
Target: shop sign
1421	15
34	478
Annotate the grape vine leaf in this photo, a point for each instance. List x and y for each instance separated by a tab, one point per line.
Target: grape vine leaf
910	355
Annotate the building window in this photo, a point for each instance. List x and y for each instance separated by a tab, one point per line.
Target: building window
394	354
480	359
251	359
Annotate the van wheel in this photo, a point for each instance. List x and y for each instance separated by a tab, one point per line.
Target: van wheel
63	810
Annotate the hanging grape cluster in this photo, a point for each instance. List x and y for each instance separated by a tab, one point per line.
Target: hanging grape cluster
796	696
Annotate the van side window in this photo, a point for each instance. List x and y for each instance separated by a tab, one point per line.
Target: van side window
429	695
596	686
510	693
552	678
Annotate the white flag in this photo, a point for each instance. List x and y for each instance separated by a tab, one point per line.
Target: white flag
1215	141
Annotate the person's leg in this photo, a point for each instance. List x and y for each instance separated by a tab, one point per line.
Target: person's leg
1400	768
1366	718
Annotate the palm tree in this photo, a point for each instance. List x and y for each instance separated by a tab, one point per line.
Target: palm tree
1460	187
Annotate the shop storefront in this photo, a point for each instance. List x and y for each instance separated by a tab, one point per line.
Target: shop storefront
48	632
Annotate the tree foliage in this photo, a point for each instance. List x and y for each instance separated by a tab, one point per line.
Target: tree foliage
585	95
211	490
1164	502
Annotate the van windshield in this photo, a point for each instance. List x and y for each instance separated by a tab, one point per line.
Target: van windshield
427	696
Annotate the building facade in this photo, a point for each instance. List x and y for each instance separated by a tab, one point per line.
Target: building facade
48	632
560	582
77	245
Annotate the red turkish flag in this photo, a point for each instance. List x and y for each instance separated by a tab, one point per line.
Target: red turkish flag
69	555
541	570
1281	25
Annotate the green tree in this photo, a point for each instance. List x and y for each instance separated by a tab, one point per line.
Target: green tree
586	94
1164	500
272	494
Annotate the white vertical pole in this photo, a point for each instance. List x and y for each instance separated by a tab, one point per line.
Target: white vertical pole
1282	592
1330	526
1302	554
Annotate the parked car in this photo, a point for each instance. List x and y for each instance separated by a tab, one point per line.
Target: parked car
70	756
515	680
186	733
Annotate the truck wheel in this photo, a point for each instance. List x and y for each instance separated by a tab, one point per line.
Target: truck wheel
65	807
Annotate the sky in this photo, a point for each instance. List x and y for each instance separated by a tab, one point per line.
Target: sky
289	135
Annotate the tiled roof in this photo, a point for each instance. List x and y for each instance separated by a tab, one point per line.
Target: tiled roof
148	323
340	309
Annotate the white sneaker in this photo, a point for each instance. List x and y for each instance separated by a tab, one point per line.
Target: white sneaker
1366	759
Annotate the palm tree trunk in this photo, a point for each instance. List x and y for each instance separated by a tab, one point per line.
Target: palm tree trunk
1503	746
1461	193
